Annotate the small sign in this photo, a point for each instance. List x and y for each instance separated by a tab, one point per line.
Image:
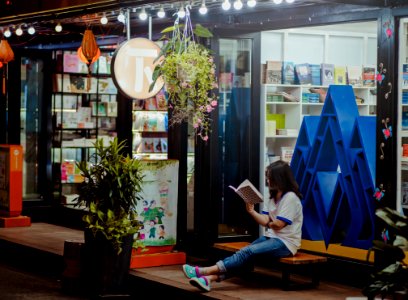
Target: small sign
133	64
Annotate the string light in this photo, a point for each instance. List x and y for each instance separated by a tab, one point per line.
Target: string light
251	3
31	30
226	5
58	27
238	4
161	13
19	31
7	33
104	19
143	14
181	13
203	9
121	17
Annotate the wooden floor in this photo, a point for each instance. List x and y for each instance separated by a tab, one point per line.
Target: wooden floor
261	284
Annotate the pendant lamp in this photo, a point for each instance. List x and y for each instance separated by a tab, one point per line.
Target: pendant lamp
89	52
6	55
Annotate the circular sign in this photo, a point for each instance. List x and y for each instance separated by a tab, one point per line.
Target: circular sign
133	64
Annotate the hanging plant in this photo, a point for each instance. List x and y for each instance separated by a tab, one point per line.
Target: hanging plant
188	71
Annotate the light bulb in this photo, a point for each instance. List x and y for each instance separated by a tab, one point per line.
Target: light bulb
181	13
121	17
31	30
277	1
251	3
19	31
143	14
203	9
238	4
290	1
161	13
226	5
58	27
104	19
7	33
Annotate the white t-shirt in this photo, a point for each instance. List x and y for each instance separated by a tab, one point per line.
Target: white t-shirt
289	210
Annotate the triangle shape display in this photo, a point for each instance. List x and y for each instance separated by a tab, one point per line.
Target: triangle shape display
334	164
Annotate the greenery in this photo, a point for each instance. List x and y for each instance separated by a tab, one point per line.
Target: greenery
393	278
110	191
188	71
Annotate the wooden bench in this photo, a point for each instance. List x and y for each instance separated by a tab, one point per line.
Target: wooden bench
289	265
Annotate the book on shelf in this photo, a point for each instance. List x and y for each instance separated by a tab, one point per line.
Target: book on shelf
147	145
99	109
405	75
303	74
288	72
164	144
404	122
273	72
72	64
65	101
248	192
150	103
340	75
112	109
138	104
354	75
161	100
369	75
106	86
327	74
315	69
157	145
287	154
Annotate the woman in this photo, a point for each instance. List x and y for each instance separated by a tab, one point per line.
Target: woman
282	217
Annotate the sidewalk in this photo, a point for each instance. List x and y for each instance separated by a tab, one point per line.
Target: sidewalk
43	244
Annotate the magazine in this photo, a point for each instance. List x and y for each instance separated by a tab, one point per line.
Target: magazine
248	192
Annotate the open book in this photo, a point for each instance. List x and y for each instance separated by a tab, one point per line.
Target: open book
248	192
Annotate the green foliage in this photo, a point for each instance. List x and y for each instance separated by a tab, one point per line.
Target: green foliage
188	71
110	191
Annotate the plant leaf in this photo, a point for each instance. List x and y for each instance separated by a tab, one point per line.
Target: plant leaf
201	31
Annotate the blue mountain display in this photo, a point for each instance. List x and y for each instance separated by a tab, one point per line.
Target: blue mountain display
334	164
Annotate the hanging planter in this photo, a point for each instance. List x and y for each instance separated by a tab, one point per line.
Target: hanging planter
188	71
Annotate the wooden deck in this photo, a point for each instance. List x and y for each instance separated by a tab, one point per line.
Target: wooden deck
170	280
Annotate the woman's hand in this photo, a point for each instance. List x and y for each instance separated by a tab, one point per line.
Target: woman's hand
250	207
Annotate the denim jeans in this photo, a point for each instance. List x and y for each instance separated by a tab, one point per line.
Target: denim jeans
271	248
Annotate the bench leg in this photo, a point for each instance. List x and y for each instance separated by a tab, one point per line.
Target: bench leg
285	278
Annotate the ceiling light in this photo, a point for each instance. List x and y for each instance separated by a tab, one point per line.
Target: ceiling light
121	17
7	33
143	14
58	27
238	4
104	19
277	1
161	13
251	3
203	9
19	31
290	1
181	13
226	5
31	30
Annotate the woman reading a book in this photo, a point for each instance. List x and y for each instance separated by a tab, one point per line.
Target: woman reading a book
282	217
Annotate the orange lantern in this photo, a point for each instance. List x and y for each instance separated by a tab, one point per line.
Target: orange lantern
89	52
6	55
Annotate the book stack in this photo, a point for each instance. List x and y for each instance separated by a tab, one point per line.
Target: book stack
368	75
273	72
327	74
310	98
303	74
316	74
288	72
405	75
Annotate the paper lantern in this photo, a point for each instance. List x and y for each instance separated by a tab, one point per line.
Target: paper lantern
6	53
89	51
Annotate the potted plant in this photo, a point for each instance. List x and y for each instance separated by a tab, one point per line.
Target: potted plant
392	276
188	71
110	191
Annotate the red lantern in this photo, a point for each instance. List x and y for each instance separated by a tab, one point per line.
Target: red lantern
6	55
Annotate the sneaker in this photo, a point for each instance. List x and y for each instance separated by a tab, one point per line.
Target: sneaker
201	282
190	271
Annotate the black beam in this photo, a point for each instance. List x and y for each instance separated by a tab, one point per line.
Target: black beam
375	3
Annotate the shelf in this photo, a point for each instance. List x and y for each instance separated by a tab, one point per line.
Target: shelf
281	137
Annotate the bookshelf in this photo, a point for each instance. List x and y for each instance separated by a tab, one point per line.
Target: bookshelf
84	108
402	128
149	127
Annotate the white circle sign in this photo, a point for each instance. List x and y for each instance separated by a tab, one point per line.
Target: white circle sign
133	64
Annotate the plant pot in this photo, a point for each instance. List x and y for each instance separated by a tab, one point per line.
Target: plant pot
104	270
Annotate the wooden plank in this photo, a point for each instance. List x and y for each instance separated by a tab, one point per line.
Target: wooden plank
303	258
234	246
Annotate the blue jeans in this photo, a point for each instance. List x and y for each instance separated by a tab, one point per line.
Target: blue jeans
270	247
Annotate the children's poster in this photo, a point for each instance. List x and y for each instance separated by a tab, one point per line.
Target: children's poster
157	211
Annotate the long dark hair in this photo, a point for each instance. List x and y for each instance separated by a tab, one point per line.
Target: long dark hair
279	176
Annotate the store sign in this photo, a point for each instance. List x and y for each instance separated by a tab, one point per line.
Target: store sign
133	64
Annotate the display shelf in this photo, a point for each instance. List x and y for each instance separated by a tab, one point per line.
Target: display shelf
84	108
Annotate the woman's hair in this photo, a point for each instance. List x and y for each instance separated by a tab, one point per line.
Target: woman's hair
279	175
